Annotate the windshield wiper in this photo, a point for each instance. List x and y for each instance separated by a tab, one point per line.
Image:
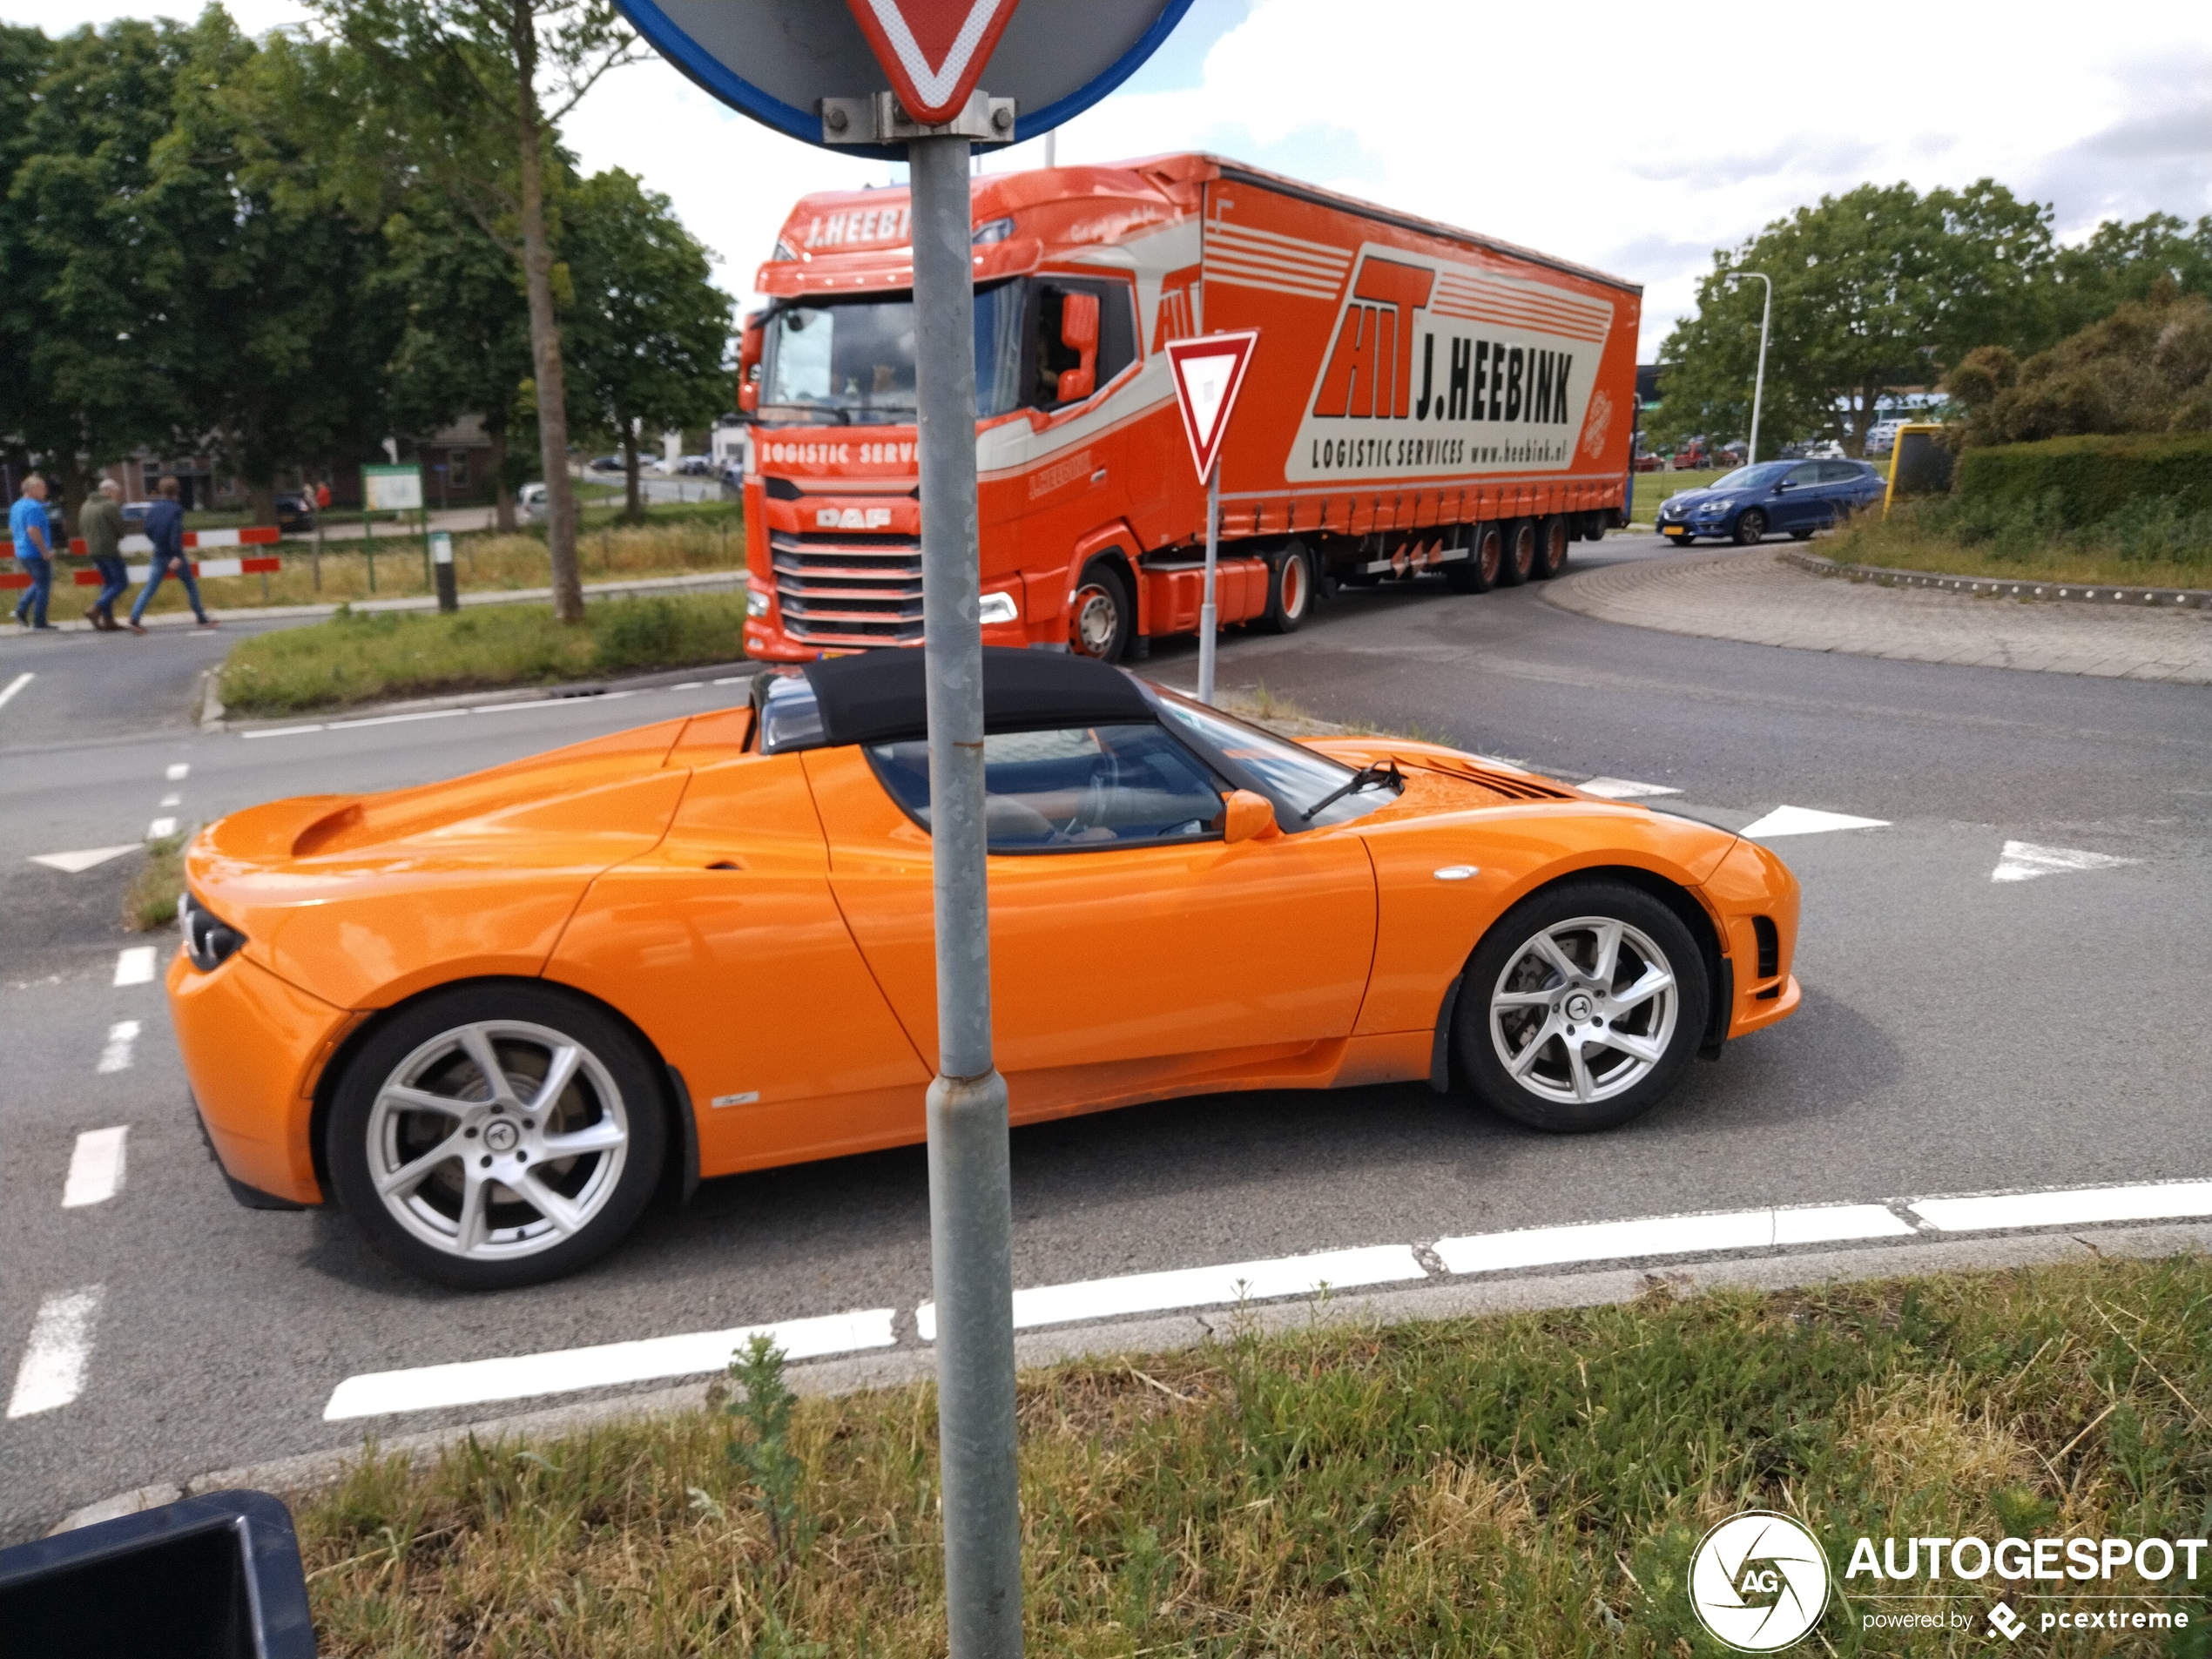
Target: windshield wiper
1366	778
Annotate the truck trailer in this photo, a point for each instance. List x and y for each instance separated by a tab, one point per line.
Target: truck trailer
1421	400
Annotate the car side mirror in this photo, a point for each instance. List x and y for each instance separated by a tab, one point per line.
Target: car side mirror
1079	334
1247	817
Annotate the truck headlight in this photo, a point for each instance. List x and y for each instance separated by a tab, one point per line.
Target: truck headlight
997	607
756	602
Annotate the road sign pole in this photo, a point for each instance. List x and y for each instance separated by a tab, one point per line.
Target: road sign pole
971	1209
1206	610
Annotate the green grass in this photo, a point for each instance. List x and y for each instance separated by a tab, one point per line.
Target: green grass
1653	488
149	902
2149	547
360	658
1532	1486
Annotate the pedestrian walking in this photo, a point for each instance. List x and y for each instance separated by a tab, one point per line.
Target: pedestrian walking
103	528
33	532
165	529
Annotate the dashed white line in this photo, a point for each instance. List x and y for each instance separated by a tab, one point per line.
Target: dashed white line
1669	1235
2073	1207
1805	820
170	800
161	829
134	965
474	1381
120	1038
281	731
15	685
179	772
95	1168
396	719
52	1370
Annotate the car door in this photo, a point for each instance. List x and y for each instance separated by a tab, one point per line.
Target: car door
1126	945
1796	504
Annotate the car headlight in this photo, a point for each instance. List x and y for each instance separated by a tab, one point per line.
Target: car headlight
1720	506
756	602
209	940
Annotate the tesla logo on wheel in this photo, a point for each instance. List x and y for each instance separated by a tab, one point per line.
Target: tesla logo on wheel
1759	1582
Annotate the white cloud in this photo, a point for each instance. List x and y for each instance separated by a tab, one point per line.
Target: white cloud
1613	134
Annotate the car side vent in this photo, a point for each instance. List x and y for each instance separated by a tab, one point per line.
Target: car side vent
781	488
1769	946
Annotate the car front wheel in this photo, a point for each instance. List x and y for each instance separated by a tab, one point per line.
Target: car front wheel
496	1135
1750	528
1580	1007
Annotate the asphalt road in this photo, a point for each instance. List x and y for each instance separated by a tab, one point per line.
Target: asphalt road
1957	1033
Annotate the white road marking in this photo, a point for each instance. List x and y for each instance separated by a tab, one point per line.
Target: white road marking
2024	861
2073	1207
170	800
161	829
179	772
527	703
25	678
117	1056
1805	820
470	1382
78	863
1623	789
134	965
1669	1235
396	719
727	679
1191	1287
281	731
54	1361
96	1167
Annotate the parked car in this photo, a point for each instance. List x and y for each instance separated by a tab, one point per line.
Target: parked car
1795	496
295	511
605	464
490	1019
1881	438
694	466
1647	464
534	503
1826	450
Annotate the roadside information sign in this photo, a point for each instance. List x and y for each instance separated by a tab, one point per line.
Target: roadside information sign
1209	373
392	489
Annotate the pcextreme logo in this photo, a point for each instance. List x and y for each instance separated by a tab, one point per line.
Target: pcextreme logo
1759	1581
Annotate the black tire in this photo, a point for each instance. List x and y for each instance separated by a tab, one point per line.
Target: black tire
1519	559
1291	588
1750	527
1102	619
1478	572
1594	527
433	1226
1554	1018
1552	542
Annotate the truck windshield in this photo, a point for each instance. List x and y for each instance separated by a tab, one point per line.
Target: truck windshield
851	362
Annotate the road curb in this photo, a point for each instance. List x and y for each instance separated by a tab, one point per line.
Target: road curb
2074	592
309	1472
561	691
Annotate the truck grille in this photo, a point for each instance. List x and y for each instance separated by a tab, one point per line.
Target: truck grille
848	589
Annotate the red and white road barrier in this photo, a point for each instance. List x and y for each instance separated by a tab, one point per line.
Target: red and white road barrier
196	539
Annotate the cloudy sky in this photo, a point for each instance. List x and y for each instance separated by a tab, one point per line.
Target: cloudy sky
1626	137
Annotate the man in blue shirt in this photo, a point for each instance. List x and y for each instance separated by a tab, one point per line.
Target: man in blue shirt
165	529
33	534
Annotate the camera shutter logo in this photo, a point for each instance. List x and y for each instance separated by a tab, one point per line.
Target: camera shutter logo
1759	1582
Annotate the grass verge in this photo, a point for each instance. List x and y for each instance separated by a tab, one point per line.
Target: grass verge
1531	1485
357	658
149	902
2144	550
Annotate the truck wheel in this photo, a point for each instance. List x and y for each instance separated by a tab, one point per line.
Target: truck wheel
1519	558
1289	591
1103	619
1552	542
1478	572
1594	527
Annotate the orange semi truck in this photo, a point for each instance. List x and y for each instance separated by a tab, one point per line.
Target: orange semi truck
1421	399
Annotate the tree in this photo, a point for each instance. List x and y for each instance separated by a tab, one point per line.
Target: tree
2147	367
1875	289
2122	262
24	56
476	90
648	330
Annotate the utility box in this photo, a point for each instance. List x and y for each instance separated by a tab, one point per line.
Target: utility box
1920	465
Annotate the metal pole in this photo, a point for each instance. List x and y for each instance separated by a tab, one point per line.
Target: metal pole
1052	148
1206	610
971	1212
1758	384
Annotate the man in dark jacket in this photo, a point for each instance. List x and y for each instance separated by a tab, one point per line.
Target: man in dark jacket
165	529
103	528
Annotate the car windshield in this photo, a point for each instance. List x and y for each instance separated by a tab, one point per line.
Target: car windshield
1291	775
1762	477
851	362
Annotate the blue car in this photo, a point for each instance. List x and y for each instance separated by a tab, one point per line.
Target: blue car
1795	496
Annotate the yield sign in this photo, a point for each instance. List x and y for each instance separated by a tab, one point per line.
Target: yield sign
1207	371
934	51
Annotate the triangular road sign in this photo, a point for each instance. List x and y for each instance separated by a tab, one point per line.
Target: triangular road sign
934	51
78	863
1208	370
1805	820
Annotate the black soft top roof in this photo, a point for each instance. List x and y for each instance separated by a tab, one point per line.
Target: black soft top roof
878	696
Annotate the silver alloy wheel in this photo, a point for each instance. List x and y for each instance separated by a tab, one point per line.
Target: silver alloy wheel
498	1139
1584	1010
1097	619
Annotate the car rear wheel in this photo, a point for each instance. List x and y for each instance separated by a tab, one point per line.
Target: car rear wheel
1750	528
1103	619
1552	542
496	1135
1478	572
1801	535
1289	591
1519	552
1581	1006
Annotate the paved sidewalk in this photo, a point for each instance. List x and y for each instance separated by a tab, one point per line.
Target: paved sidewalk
1753	596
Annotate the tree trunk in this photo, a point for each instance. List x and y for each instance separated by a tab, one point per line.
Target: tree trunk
545	325
260	497
502	497
633	508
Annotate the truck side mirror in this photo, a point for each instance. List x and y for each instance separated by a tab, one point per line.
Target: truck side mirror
1079	334
1246	816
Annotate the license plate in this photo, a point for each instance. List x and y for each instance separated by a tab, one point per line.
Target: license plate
1673	529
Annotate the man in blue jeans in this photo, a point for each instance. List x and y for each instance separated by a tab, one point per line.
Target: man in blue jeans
33	534
165	529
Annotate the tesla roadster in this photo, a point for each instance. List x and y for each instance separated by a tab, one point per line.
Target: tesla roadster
492	1019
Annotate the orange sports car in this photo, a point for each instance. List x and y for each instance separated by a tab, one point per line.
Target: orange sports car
491	1019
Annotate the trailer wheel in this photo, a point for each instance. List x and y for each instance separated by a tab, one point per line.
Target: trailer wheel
1551	547
1478	572
1289	591
1102	618
1594	527
1520	560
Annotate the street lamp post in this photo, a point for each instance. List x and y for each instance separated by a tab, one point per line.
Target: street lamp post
1759	385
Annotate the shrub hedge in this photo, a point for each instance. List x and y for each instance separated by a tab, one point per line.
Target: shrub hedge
2086	481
